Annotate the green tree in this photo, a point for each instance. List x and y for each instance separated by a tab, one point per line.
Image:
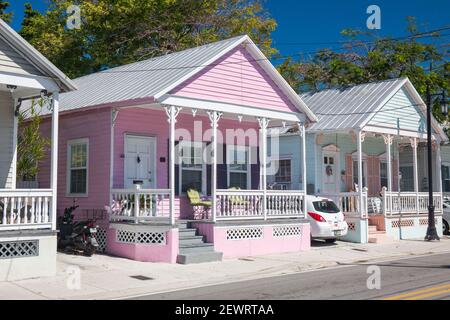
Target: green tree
116	32
7	17
31	146
364	57
30	15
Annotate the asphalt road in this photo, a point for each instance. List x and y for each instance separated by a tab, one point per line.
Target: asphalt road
426	277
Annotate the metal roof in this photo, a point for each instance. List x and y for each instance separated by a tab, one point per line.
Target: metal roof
148	80
349	108
30	53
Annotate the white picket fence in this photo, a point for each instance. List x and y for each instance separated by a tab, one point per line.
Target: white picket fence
25	209
249	204
409	202
140	204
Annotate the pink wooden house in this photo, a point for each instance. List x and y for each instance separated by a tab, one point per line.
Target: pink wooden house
135	138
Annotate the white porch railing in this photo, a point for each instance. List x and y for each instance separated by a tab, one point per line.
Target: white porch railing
249	204
25	209
349	202
140	204
409	202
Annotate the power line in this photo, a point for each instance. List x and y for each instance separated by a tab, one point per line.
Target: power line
357	44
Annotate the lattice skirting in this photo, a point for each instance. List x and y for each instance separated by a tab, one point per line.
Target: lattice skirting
19	249
424	222
101	239
286	231
245	233
125	236
410	222
351	226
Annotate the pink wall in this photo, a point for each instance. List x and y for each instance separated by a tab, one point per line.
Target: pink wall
95	125
145	252
268	244
236	78
154	123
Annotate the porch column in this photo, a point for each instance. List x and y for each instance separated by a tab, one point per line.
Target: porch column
263	123
360	139
172	113
303	135
54	156
214	117
414	142
388	141
15	138
114	114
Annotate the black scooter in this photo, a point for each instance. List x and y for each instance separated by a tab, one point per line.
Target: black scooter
77	236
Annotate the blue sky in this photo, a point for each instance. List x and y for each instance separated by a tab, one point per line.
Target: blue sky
322	20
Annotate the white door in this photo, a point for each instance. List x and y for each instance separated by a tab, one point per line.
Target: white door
329	173
140	161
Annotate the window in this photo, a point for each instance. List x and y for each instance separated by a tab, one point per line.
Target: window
445	178
192	166
283	174
325	206
78	160
238	167
383	174
355	173
407	178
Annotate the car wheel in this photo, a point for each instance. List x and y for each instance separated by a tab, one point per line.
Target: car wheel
445	227
330	240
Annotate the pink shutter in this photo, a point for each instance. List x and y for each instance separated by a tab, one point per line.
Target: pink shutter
348	172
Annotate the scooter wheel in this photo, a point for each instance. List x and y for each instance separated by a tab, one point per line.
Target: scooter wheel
89	250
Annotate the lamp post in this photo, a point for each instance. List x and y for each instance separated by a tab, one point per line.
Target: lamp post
431	230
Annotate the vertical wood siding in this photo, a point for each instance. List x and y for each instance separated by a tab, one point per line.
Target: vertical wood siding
6	139
236	78
13	61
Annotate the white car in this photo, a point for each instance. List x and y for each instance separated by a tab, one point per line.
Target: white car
326	220
446	216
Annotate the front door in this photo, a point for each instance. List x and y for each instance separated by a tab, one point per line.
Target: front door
329	172
140	160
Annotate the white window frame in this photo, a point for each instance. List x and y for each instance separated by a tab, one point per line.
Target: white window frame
290	176
180	166
248	171
70	143
444	164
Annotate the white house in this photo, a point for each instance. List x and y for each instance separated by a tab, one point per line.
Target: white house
27	216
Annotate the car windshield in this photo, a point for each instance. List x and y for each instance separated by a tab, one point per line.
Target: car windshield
325	206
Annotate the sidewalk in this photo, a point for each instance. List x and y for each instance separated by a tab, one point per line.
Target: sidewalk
105	277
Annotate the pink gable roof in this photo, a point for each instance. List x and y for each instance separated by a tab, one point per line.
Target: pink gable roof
236	78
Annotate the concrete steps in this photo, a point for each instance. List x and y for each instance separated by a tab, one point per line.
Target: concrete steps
376	236
193	248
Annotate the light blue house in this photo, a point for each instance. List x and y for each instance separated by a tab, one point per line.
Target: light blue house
371	135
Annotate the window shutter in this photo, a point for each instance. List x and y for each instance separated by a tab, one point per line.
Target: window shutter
394	174
222	176
377	177
255	169
177	169
348	172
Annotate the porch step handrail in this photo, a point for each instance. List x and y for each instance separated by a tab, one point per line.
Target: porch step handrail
248	204
22	209
139	205
349	202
